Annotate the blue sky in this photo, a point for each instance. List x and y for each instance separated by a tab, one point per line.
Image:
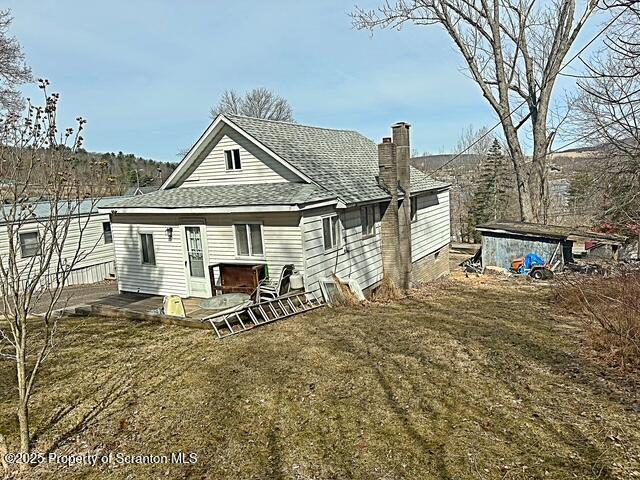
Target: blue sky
145	73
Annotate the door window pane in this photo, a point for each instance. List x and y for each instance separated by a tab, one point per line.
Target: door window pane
195	252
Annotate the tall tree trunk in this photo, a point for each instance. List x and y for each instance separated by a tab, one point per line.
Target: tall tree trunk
23	396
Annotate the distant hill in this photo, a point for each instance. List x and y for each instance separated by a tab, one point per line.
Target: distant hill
128	170
431	162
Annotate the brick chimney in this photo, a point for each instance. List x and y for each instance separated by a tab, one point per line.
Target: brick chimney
400	132
389	232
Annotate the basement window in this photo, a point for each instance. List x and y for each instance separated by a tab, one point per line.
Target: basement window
249	240
106	232
367	215
232	158
29	244
331	232
414	209
148	251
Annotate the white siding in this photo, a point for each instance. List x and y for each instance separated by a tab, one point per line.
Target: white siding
167	276
84	241
358	258
256	165
281	237
282	242
432	229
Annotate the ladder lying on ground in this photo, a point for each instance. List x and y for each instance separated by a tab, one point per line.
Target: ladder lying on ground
245	317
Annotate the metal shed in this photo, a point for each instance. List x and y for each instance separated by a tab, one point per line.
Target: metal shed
504	241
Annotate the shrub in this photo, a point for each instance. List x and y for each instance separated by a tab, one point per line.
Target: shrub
610	307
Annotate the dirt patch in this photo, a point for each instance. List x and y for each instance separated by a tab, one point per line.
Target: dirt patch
466	379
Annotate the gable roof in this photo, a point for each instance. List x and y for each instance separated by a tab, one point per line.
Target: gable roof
341	161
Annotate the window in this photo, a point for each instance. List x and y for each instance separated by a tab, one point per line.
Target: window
367	215
249	240
414	209
106	232
232	158
29	244
331	232
148	253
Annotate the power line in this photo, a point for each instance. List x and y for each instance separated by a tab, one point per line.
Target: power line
458	155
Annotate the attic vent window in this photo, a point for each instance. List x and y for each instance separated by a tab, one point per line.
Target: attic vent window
232	158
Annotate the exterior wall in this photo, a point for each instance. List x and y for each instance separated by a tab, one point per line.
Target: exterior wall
358	258
96	258
257	167
432	229
281	237
281	234
167	276
499	249
431	266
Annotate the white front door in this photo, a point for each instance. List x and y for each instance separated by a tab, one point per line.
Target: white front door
196	263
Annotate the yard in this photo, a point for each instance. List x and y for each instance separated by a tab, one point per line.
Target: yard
468	379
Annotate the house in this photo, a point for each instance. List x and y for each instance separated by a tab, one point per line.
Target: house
263	192
504	241
88	238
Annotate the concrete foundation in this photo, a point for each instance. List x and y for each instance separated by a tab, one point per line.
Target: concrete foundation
431	266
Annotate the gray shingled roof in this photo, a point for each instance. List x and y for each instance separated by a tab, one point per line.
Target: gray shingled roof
228	196
342	161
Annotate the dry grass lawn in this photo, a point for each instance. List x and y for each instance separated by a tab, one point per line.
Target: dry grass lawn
469	379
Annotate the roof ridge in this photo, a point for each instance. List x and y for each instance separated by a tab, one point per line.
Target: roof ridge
292	124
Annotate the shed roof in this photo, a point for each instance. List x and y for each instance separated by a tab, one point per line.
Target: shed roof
33	211
557	232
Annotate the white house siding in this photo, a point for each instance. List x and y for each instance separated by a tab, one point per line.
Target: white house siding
167	276
96	258
358	258
281	238
257	166
432	229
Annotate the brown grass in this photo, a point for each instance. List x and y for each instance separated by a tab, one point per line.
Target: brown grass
610	308
471	380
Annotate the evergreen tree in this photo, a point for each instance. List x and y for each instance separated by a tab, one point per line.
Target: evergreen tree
490	200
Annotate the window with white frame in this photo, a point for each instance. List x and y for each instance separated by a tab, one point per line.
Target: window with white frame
148	251
232	159
368	217
331	232
29	244
249	240
414	209
106	232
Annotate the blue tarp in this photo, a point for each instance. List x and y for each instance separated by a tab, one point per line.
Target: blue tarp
531	260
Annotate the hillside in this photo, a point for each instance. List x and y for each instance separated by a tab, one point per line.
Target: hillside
128	170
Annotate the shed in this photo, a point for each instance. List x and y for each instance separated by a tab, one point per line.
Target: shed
504	241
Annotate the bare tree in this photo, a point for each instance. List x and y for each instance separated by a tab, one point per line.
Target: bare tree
13	70
514	51
50	201
609	109
259	103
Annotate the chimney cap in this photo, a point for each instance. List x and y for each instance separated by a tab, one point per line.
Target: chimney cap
401	124
386	139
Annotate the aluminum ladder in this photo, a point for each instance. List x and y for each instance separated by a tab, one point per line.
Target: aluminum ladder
247	317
